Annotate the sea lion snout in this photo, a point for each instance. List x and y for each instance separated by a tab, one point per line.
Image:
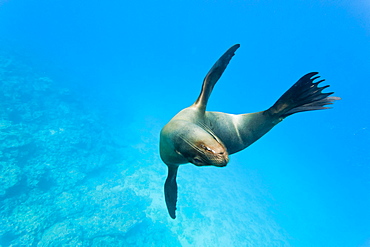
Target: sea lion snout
224	160
214	155
219	159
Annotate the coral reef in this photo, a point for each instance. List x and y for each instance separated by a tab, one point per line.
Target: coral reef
51	146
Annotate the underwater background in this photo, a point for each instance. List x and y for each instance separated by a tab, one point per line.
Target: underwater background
86	86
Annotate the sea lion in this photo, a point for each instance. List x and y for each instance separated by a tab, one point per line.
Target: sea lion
208	138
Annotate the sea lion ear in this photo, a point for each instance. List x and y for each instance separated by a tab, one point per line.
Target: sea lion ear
170	190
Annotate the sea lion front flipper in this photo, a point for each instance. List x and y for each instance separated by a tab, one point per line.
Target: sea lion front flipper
213	75
170	190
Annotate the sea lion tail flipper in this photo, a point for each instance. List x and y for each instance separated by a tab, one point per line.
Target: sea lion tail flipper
170	190
213	75
304	95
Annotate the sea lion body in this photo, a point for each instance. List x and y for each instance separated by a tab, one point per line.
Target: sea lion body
208	138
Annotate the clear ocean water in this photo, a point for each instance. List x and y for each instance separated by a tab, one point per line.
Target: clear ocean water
86	87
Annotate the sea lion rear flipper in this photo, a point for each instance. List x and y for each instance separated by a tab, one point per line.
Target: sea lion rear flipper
213	75
170	190
304	95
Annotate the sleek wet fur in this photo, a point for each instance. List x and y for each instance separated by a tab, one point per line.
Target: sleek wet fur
208	138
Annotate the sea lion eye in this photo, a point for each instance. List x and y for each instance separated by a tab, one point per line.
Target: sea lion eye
207	148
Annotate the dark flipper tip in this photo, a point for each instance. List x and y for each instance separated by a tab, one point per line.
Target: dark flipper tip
234	47
172	214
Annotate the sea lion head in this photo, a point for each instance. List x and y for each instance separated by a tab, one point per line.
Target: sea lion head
202	149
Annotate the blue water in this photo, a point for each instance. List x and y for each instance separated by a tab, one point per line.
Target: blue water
86	87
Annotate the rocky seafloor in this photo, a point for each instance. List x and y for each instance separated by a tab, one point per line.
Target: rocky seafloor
56	161
66	181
